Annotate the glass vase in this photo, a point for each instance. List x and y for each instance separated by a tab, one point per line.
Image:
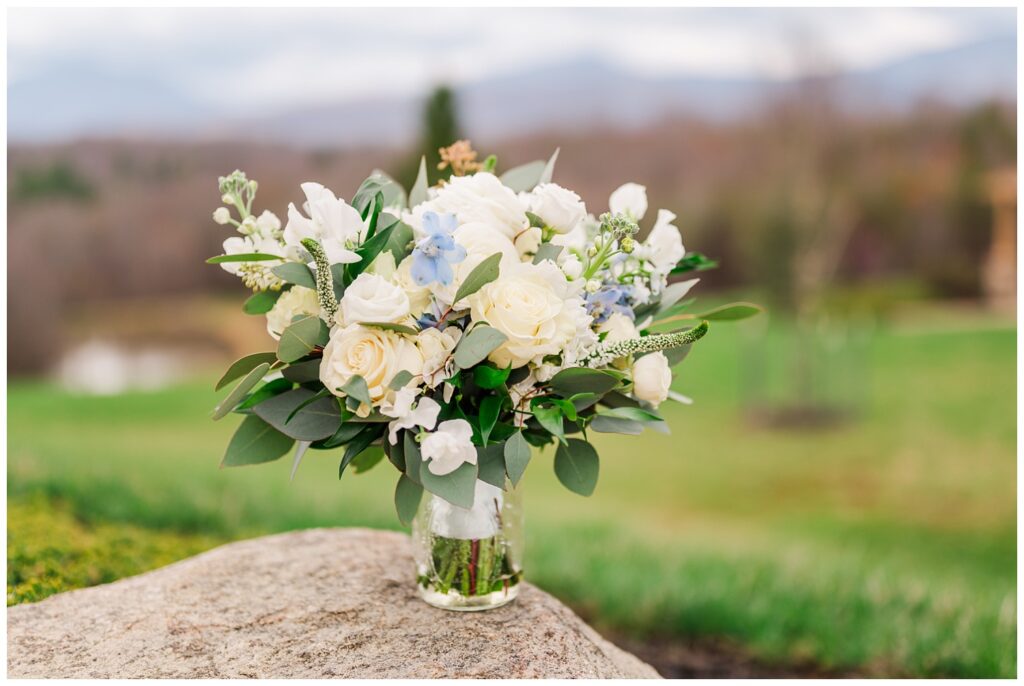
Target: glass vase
469	559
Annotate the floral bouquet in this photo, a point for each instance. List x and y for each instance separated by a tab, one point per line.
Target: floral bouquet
451	330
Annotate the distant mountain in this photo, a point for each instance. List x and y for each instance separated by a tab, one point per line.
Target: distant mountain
584	93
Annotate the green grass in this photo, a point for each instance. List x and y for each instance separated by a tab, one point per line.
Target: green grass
887	544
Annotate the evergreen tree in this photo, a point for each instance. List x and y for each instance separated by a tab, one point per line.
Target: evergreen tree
440	129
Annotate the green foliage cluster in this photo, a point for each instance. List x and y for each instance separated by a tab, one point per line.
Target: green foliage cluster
59	180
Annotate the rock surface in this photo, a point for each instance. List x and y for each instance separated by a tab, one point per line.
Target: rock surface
319	603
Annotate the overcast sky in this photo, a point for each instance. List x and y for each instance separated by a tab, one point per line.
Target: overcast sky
282	59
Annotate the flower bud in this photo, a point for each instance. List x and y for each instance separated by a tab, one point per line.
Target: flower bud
593	286
227	199
572	268
222	215
627	244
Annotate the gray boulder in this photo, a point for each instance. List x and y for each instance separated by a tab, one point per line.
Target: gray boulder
319	603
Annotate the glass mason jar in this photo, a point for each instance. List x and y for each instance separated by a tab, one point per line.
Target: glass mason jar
469	559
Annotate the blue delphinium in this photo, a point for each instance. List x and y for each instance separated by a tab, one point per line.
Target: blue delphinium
434	254
608	300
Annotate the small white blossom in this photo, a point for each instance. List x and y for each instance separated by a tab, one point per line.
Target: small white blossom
448	448
222	215
424	415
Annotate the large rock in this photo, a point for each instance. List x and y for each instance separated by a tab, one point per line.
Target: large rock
319	603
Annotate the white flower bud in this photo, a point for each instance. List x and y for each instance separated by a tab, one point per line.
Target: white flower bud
593	286
572	267
222	215
227	199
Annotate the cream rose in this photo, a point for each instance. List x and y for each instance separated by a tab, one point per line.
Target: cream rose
652	378
293	302
560	208
373	298
480	241
419	296
374	354
480	198
530	304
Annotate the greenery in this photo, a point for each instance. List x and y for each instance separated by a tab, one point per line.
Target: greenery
885	544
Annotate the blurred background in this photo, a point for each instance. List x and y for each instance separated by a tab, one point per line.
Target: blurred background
840	499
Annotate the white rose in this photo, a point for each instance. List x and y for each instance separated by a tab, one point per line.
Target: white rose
572	267
436	348
448	448
480	241
530	304
560	208
372	298
332	221
478	198
629	198
528	241
618	328
293	302
383	264
374	354
652	378
664	244
419	296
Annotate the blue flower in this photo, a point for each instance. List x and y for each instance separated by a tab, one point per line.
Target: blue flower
434	254
608	300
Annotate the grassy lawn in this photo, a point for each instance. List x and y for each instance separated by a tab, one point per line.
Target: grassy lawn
886	544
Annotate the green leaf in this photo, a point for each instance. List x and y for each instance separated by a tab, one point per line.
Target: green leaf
368	459
547	251
490	408
517	456
569	382
357	388
458	487
577	466
413	459
524	177
299	339
238	392
408	494
255	442
693	261
300	449
345	433
491	464
391	326
400	379
262	302
296	273
476	345
673	293
367	192
243	366
317	420
490	164
614	425
368	251
399	240
267	390
551	419
303	372
418	194
361	441
482	274
321	393
677	355
489	377
637	414
731	312
243	257
549	168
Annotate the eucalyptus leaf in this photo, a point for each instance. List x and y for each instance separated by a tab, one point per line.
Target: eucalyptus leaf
547	251
301	337
673	293
238	392
677	355
577	466
573	380
400	379
517	456
549	168
315	421
267	390
361	441
243	366
357	388
368	459
477	345
395	453
637	414
391	326
242	257
418	194
300	449
399	240
408	494
551	419
457	487
524	177
255	442
615	425
303	372
482	274
345	433
262	302
296	273
413	459
491	464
